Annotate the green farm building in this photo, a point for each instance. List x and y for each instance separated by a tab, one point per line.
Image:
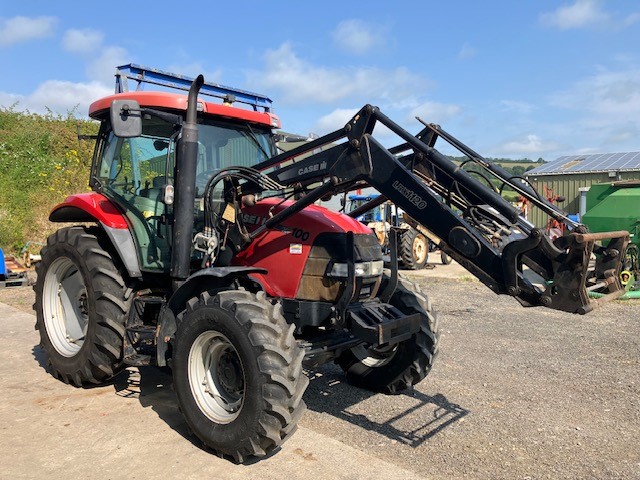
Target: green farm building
571	177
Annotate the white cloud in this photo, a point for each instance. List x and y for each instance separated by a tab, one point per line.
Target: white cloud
527	145
82	41
467	51
607	105
339	118
356	36
517	107
583	151
22	29
102	68
623	133
10	99
101	61
434	112
61	96
57	96
599	112
193	69
334	120
630	19
300	82
610	95
583	14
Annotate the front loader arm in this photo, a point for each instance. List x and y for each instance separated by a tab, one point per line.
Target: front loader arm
478	228
499	265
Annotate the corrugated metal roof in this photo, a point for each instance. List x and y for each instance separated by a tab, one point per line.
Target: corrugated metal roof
600	162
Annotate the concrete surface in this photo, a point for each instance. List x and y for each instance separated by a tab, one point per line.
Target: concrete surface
132	428
515	394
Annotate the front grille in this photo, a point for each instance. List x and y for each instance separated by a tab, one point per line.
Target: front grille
332	247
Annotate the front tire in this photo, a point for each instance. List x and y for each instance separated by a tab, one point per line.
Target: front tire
394	368
81	303
237	372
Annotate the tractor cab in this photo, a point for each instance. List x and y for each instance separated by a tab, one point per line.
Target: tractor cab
137	172
356	201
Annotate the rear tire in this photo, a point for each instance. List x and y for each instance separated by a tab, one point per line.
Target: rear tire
237	372
395	368
414	249
81	304
445	259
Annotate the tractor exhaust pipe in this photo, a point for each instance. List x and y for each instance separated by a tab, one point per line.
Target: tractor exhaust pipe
185	183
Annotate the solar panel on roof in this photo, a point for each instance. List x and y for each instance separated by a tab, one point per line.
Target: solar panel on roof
590	163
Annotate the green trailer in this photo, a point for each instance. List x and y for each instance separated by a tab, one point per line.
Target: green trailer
616	206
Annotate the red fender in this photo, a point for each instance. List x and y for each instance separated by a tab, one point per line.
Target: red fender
94	207
88	207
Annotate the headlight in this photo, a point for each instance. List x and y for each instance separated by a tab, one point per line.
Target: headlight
362	269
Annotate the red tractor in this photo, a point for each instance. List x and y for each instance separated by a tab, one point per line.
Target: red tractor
207	254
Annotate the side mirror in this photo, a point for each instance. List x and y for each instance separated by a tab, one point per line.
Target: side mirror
126	118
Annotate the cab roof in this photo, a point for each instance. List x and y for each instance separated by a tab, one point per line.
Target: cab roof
175	101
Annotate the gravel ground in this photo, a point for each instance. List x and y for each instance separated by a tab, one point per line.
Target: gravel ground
515	392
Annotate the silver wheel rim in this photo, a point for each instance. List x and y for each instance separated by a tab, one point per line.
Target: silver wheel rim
65	307
216	377
374	357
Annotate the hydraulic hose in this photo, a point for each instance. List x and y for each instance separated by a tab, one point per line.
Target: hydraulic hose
631	294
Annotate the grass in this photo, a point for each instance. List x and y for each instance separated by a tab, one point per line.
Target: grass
41	162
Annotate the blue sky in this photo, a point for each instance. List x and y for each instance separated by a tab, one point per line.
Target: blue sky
509	78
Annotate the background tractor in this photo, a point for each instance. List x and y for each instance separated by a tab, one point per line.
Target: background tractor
415	242
205	252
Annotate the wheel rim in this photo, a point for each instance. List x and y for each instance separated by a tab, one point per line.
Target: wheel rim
374	357
420	249
216	377
65	306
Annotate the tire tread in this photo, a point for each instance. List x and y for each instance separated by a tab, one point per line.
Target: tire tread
102	356
419	352
279	361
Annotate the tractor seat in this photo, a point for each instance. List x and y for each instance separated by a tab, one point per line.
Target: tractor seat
155	191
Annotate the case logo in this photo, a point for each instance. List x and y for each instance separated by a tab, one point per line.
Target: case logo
312	168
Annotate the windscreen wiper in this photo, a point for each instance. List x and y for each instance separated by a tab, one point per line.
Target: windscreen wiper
255	140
